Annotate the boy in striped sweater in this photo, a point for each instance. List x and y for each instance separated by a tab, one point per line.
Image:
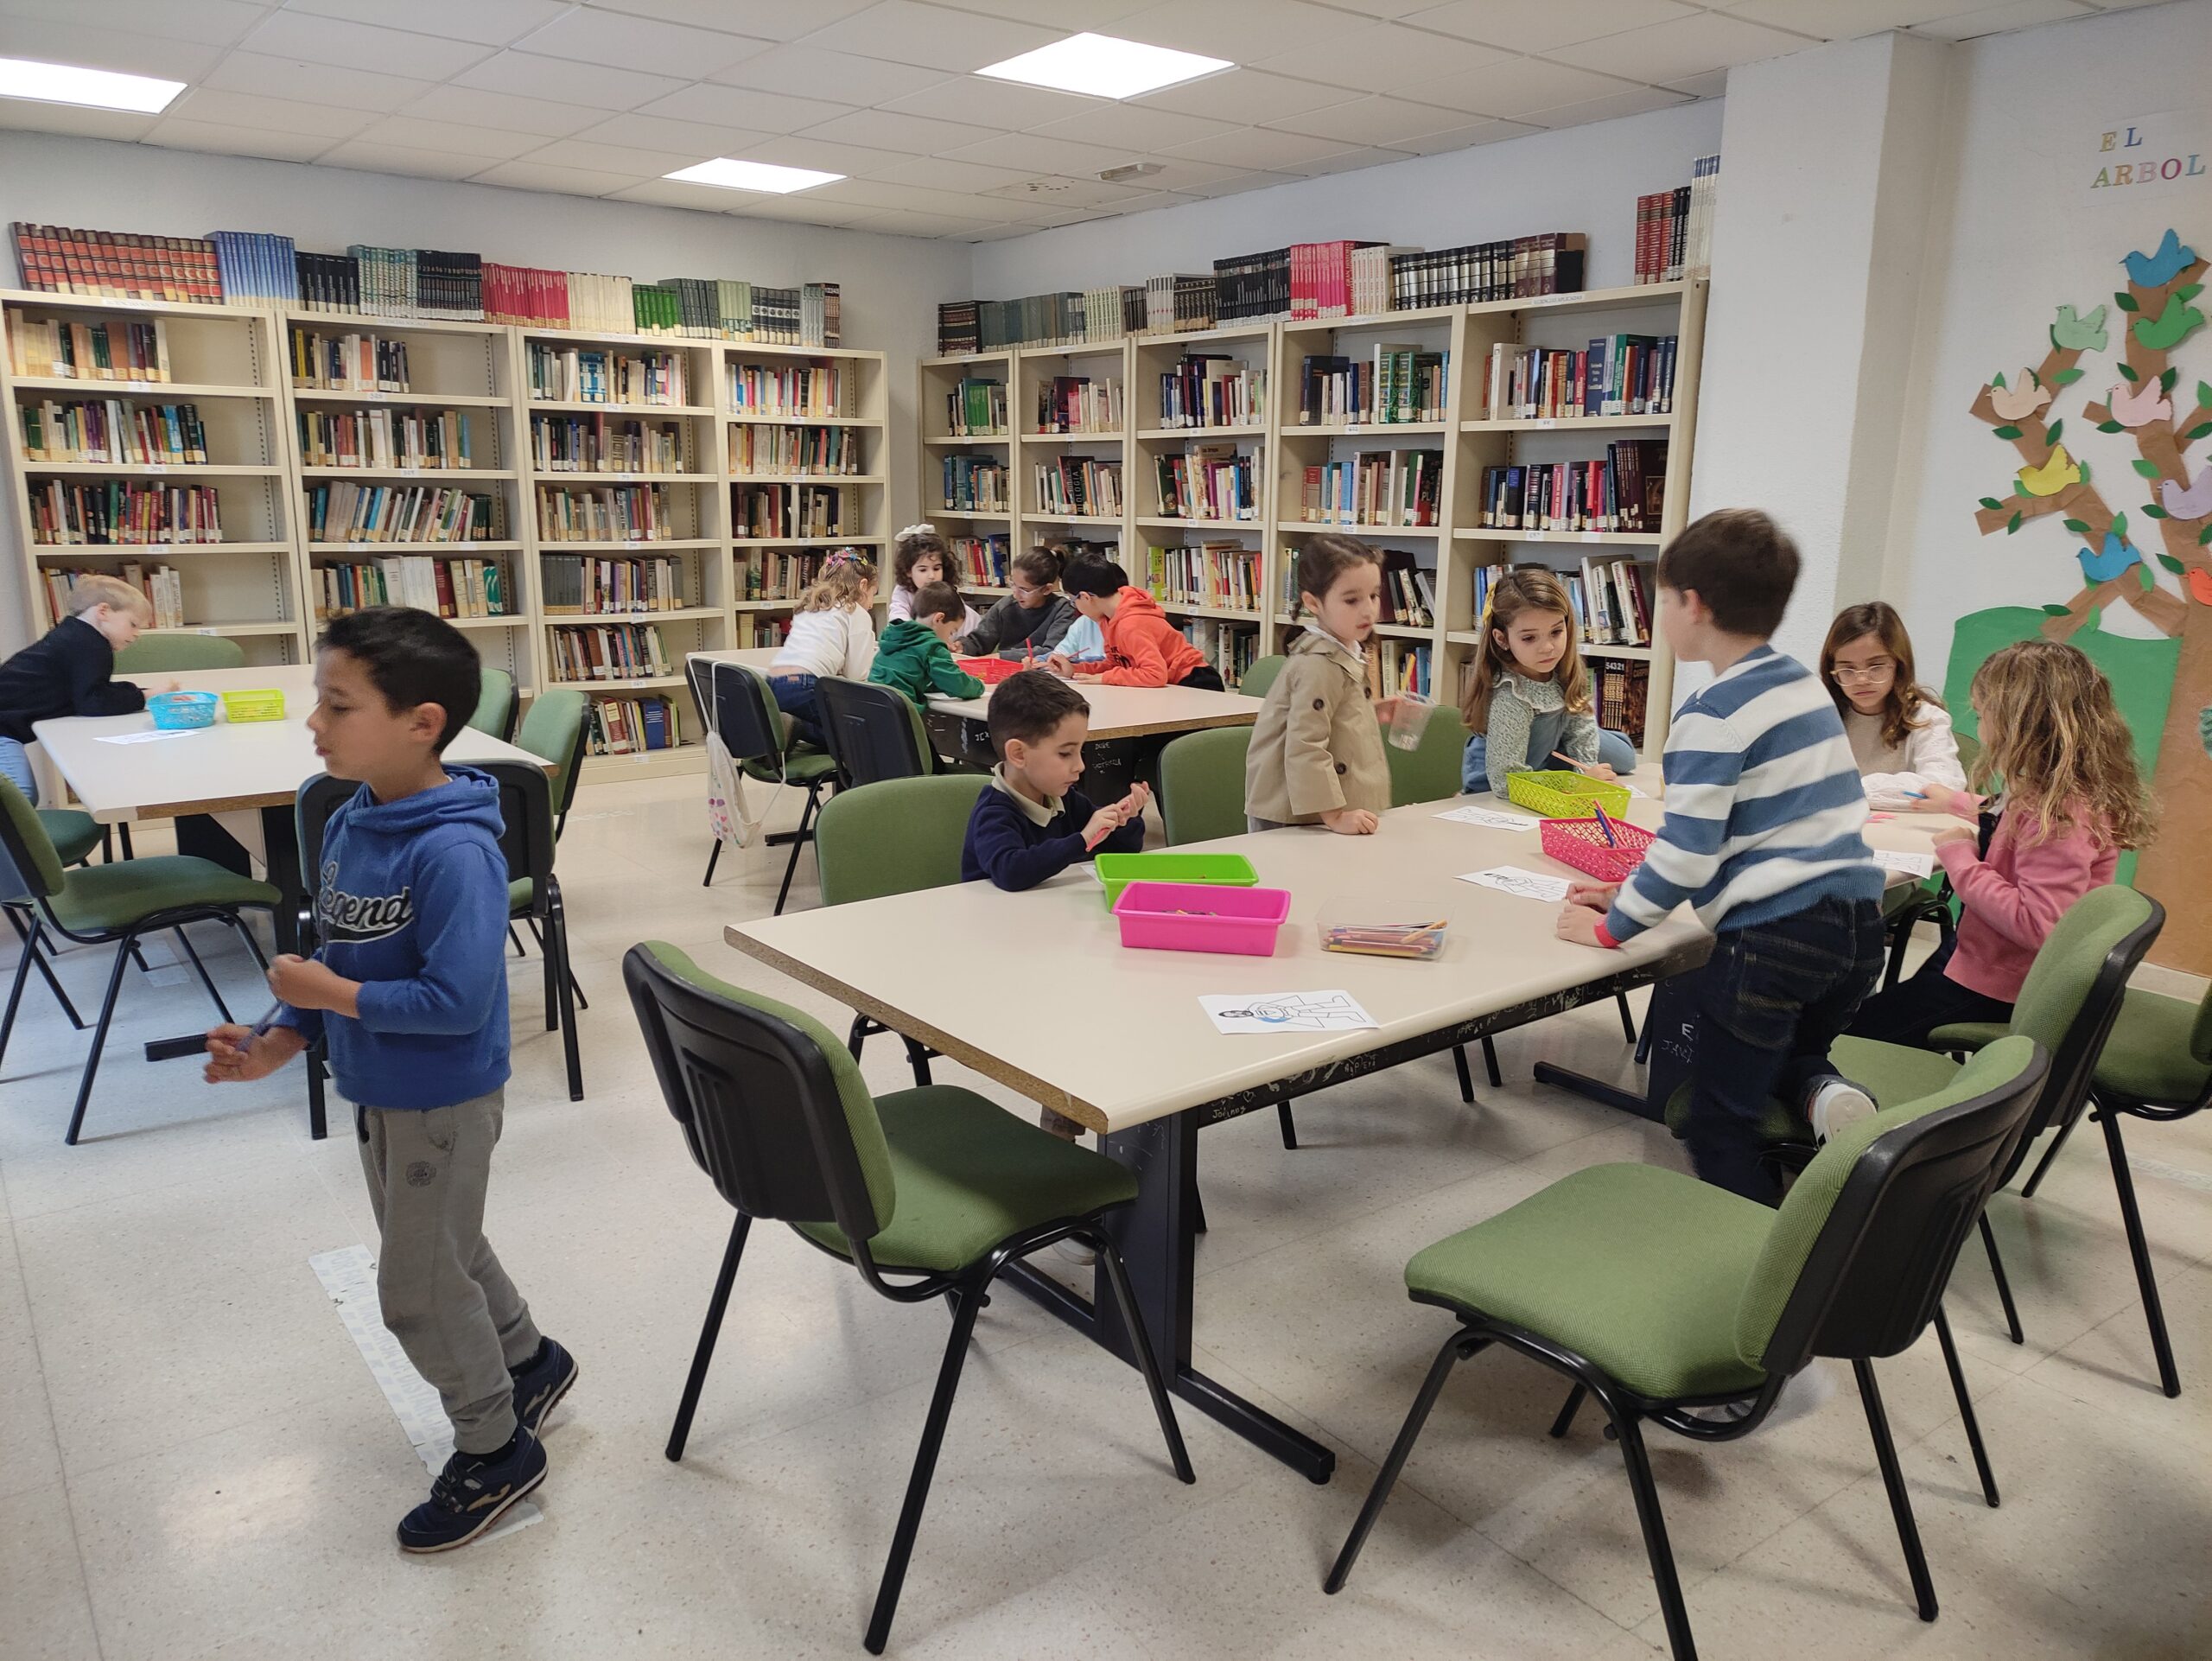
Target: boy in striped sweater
1762	836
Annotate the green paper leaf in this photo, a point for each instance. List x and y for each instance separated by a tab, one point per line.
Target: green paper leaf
1991	503
2120	526
2055	611
2065	376
2011	525
2054	429
2109	426
2173	564
1998	379
2154	510
2166	381
2189	293
2204	536
2124	300
2006	432
2079	527
2084	466
2128	372
2204	393
2143	574
2202	429
2148	469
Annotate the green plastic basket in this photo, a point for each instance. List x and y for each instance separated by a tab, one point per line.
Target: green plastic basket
1117	871
1563	795
259	703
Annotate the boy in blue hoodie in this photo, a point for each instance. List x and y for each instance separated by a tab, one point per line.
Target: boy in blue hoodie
409	990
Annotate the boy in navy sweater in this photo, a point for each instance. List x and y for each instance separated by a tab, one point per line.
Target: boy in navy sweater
409	990
1032	823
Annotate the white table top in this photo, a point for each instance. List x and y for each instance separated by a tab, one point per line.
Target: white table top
216	769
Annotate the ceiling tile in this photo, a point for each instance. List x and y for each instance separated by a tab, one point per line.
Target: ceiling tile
489	22
1042	155
1843	20
1714	83
898	224
1240	30
567	181
1460	138
275	114
613	158
1515	86
877	196
176	134
361	46
905	32
994	103
1384	59
1053	194
1995	19
1184	175
1352	161
353	89
1156	200
1256	149
691	138
394	158
100	48
937	173
414	132
1245	95
1401	9
1237	183
1688	46
475	107
596	87
208	22
666	192
794	151
799	208
807	71
916	135
1539	25
764	20
743	107
1000	233
74	121
1064	16
1374	121
1134	127
1636	100
640	43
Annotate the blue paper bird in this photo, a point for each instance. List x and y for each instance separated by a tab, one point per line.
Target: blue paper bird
2117	555
2154	271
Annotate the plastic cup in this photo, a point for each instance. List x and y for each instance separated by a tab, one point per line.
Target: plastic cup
1410	720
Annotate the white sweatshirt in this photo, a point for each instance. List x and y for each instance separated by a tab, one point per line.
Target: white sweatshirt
839	642
1895	776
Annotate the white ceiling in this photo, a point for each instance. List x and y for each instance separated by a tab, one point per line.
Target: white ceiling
603	97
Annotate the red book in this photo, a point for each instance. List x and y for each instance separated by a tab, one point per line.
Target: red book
444	574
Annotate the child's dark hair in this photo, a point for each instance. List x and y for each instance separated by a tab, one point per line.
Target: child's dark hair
412	658
1040	565
911	544
1741	564
1326	559
1030	706
1096	574
939	600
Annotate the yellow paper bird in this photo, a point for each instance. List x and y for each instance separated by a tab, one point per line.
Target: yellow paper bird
2053	475
2017	402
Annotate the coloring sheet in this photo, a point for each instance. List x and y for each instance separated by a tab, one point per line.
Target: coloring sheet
1524	885
1490	817
1910	864
1285	1012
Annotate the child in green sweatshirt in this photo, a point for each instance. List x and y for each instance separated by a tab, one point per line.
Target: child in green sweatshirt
915	654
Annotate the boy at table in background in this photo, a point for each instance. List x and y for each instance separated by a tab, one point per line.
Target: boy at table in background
1317	756
1762	836
69	670
1143	647
915	654
409	990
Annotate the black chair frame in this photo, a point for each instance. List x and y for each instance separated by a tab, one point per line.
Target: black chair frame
746	719
870	732
530	919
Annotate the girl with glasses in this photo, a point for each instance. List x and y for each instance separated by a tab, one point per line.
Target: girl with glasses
1900	733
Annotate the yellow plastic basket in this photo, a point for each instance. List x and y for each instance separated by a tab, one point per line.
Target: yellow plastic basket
258	704
1563	795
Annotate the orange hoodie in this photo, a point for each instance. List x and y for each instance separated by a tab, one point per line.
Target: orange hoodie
1143	647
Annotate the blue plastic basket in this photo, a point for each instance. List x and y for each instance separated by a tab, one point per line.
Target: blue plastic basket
175	711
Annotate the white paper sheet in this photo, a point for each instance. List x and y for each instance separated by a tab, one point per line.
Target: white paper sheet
1490	817
150	734
1524	885
1910	864
1285	1012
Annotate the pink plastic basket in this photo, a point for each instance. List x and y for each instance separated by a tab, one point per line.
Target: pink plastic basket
1580	843
1196	917
991	670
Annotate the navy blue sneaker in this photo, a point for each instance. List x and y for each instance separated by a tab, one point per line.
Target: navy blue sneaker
471	1495
541	1382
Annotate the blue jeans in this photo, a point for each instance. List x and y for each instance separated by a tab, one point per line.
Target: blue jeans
1613	750
795	697
16	769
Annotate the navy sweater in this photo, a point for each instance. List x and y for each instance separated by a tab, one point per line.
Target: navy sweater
65	672
1005	844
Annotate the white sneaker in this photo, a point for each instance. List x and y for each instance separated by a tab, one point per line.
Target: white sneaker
1835	1102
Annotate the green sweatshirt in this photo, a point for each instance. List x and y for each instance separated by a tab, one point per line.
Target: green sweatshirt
911	657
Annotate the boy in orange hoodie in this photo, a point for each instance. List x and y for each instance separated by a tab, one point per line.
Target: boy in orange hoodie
1143	647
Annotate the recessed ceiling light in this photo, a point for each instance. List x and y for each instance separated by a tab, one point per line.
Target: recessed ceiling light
751	175
102	89
1104	66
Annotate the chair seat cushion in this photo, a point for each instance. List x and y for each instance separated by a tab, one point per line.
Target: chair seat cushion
1892	1075
106	898
968	1173
1638	1268
520	893
1967	1035
2147	1057
74	834
801	765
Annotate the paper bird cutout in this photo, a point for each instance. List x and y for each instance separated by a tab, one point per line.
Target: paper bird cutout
2154	271
2169	328
2193	503
2075	333
2053	476
2138	406
2117	555
2017	402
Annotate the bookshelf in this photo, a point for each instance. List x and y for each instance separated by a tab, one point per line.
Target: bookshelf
183	447
1057	472
980	427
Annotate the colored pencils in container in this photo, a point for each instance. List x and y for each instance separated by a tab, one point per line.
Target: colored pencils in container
1606	824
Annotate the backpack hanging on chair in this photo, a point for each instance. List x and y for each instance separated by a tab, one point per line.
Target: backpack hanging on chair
727	820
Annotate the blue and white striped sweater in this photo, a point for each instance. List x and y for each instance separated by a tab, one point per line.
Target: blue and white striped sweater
1763	806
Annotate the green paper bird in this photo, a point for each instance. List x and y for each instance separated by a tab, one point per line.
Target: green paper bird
2072	333
2169	328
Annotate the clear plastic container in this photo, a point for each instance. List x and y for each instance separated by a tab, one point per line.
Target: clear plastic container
1410	720
1383	927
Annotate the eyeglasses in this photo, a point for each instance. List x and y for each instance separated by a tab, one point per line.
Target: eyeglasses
1023	591
1880	669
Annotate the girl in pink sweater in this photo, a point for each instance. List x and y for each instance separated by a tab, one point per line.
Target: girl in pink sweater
2049	730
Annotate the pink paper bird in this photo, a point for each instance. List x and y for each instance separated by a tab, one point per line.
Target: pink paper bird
2191	504
2018	402
2138	406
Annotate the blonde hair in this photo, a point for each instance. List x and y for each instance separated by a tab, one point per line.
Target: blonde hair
1519	589
2051	732
90	588
1901	708
847	581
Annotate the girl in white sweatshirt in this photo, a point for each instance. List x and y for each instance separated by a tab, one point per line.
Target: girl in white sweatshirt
1900	734
833	633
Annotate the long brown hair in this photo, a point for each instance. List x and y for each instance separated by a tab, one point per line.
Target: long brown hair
2051	732
1901	709
1519	589
912	542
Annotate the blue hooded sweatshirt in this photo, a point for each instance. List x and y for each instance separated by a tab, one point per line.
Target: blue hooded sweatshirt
411	902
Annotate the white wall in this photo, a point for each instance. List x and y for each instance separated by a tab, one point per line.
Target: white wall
1581	179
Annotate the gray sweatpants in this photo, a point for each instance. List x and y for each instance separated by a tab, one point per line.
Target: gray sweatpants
445	1297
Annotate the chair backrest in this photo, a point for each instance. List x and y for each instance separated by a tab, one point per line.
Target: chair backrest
554	730
734	701
772	1108
1260	674
1857	1257
874	732
526	813
1430	771
894	836
24	840
1202	785
152	653
495	703
319	798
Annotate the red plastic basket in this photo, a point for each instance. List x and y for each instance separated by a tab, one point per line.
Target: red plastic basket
1580	843
991	670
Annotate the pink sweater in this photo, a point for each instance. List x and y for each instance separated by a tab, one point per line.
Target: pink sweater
2015	897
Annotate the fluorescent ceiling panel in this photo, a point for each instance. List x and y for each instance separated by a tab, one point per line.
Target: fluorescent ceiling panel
730	174
1103	67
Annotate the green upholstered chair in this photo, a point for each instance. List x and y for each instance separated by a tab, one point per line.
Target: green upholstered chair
153	654
74	836
554	730
1430	771
117	904
735	701
874	732
1259	675
1657	1294
1202	784
897	836
927	1194
495	703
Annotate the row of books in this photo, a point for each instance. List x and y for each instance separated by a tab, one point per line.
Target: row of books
1409	588
100	512
1404	666
781	573
756	629
594	443
982	562
632	726
607	651
777	510
580	374
609	513
140	435
1377	487
256	266
975	409
580	585
451	588
344	512
1076	403
1344	279
709	309
975	484
1077	487
808	390
1612	601
117	265
1392	383
1208	481
352	362
1224	576
1622	689
1625	492
795	449
1171	304
163	588
419	282
1231	648
1481	273
1615	375
1674	228
1210	388
384	438
97	349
